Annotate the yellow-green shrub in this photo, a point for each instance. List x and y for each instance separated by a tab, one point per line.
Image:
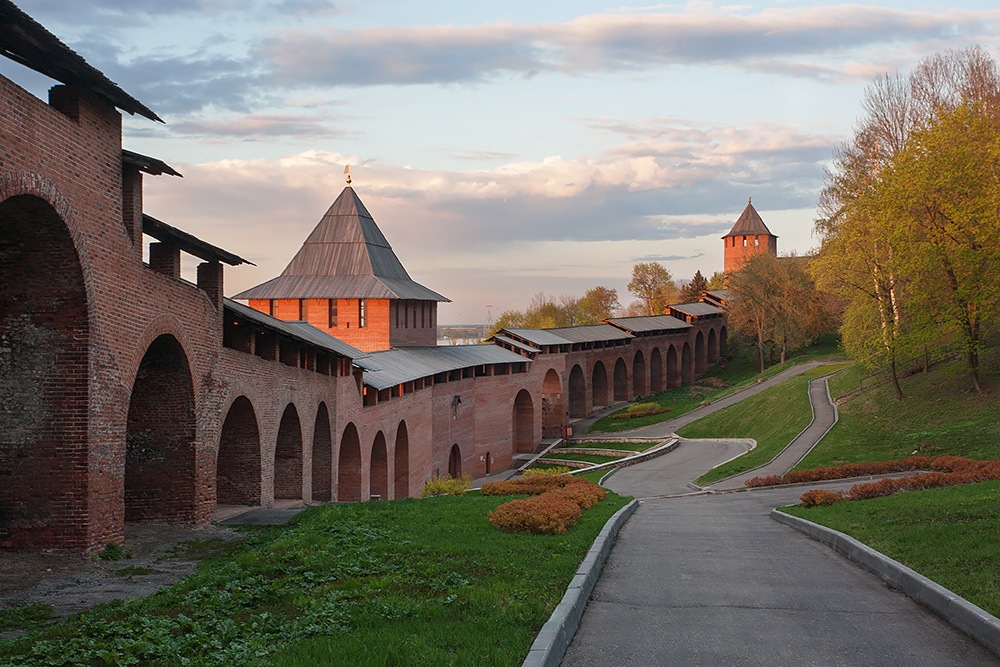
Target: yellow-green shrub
440	485
546	472
547	513
641	410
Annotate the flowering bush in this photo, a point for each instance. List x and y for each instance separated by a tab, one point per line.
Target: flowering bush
545	472
547	513
446	486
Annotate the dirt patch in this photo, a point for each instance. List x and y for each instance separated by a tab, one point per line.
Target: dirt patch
70	584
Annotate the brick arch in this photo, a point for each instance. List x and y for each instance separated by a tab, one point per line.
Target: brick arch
700	355
656	371
723	342
599	385
237	468
349	465
523	426
160	440
621	380
687	363
713	346
401	462
322	456
674	374
379	477
288	456
639	387
577	392
553	409
45	383
162	325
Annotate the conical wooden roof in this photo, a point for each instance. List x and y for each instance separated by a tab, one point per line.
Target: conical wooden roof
749	224
346	257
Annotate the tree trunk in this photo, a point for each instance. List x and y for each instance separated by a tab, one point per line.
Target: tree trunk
973	362
895	380
760	348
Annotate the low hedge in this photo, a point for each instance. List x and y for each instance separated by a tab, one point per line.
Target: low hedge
555	505
944	463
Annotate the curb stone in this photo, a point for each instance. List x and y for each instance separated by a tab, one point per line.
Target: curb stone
956	610
555	636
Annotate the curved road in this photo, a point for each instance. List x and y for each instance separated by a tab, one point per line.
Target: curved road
709	579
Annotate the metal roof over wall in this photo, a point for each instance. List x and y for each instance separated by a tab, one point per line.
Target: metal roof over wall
301	331
393	367
698	309
649	323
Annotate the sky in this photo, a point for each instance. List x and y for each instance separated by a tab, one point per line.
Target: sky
504	149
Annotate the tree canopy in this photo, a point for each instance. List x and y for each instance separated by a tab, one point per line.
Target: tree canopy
653	285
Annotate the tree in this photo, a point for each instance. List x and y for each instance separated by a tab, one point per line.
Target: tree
598	304
717	281
691	290
907	201
652	283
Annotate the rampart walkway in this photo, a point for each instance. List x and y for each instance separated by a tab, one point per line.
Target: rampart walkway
709	579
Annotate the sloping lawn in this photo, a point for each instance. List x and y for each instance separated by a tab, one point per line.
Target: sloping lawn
402	582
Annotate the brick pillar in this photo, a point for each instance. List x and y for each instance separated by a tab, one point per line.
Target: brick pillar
132	207
210	282
165	258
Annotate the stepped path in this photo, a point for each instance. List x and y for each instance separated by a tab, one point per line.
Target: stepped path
709	579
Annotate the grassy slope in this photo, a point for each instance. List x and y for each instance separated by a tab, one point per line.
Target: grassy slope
939	416
949	535
773	418
403	582
736	374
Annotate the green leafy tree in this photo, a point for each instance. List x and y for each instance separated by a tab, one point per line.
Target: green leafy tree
717	281
691	290
653	285
598	304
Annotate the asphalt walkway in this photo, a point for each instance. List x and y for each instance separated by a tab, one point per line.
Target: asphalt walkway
710	579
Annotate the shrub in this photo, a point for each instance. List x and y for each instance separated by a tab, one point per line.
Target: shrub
548	514
446	486
945	464
584	495
820	497
641	410
531	486
545	472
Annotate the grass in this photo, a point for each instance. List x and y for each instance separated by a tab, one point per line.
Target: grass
24	617
773	418
588	458
948	535
723	379
940	415
402	582
617	445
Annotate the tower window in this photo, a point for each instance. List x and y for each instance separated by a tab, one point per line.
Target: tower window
333	313
362	312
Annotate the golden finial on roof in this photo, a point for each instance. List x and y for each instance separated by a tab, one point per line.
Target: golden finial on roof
347	170
749	199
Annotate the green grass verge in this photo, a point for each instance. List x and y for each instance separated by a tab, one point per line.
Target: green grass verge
617	445
738	373
588	458
940	415
948	535
402	582
24	616
773	418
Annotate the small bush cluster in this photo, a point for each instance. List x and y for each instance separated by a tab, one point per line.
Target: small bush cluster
641	410
944	463
957	471
440	485
546	472
555	505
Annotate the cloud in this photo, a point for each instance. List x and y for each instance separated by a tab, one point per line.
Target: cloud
250	127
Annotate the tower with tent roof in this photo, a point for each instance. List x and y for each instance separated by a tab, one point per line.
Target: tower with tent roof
748	238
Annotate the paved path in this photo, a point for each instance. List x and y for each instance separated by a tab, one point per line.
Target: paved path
710	579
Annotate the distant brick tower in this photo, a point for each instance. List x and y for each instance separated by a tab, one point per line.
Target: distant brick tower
347	281
748	237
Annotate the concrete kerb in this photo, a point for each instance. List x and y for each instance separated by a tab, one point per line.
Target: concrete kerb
956	610
555	636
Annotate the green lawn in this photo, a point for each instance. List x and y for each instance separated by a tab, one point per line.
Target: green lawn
948	535
773	418
722	379
619	445
940	415
402	582
587	458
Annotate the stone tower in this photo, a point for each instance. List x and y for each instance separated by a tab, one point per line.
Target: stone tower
748	237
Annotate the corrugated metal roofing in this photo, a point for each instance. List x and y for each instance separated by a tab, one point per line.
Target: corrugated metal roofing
749	224
591	334
27	42
698	309
339	287
539	336
298	330
649	323
516	343
719	293
346	256
189	243
389	368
